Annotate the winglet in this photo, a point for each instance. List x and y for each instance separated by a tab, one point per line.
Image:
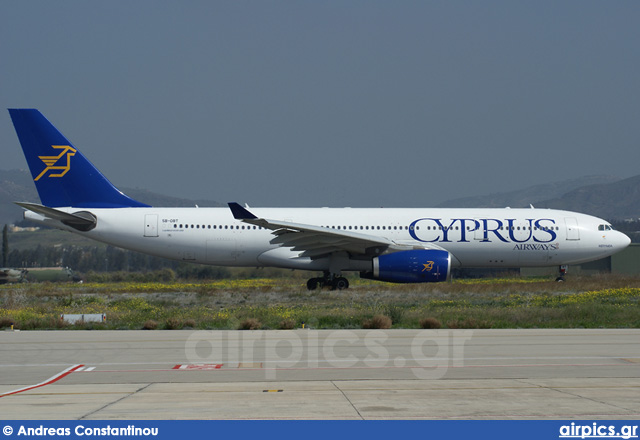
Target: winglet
240	213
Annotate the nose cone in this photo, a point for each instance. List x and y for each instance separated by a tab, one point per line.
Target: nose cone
623	240
613	242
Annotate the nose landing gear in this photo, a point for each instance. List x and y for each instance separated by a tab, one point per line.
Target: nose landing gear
562	270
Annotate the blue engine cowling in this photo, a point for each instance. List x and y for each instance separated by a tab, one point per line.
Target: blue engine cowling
415	266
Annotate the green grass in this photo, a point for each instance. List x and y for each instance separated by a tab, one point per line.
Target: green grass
581	302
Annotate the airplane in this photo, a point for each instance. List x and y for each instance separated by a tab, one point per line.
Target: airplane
403	245
8	275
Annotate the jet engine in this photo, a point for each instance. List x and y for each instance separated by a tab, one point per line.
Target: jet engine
414	266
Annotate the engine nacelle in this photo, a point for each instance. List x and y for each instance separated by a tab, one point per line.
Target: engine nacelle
415	266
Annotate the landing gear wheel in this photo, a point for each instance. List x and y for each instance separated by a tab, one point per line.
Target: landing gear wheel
340	283
312	284
337	283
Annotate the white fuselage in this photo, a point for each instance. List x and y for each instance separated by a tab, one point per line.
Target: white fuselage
474	237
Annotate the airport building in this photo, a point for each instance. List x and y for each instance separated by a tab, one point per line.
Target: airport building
625	262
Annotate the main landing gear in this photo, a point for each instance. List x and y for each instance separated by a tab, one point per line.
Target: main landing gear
562	270
331	280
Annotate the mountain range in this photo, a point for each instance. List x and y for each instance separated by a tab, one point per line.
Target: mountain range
606	197
17	186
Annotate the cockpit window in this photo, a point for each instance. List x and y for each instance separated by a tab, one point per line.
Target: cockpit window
605	228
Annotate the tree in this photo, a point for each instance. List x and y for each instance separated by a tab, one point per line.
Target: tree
5	245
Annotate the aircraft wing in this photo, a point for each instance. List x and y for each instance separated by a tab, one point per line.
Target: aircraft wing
317	241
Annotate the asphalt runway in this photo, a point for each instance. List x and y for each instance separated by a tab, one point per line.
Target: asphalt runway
321	374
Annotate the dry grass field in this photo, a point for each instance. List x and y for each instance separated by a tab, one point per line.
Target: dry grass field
603	301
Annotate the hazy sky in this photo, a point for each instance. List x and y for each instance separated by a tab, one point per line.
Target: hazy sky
330	103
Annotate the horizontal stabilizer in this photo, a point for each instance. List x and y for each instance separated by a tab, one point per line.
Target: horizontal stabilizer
81	220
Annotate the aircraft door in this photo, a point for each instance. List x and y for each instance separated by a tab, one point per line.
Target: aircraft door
151	225
573	233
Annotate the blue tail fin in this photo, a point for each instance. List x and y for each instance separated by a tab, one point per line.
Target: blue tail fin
63	176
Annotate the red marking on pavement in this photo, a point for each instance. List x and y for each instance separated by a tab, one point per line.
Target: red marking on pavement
197	367
210	367
49	381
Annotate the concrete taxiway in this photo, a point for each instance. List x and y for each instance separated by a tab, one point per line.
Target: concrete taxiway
321	374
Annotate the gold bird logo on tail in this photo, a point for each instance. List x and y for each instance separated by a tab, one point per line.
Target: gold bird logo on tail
51	161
